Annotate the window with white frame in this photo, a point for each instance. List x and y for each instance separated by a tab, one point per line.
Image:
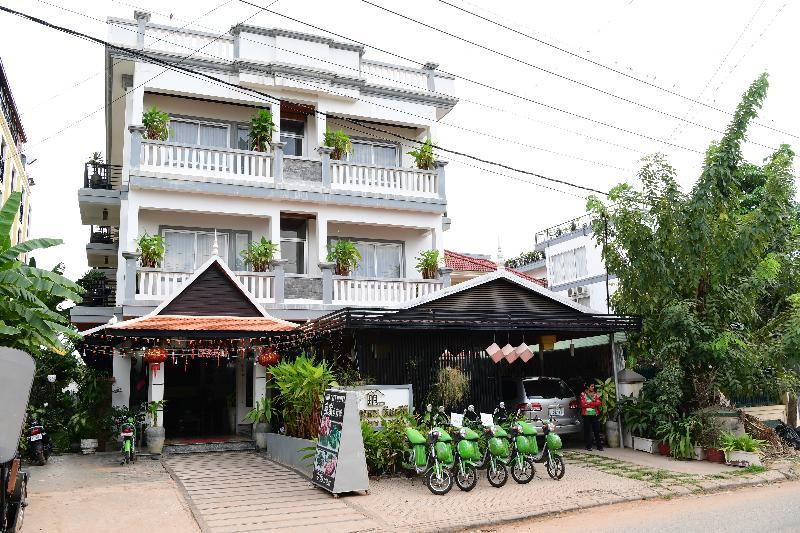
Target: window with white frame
186	250
374	153
294	244
567	266
292	134
378	259
199	133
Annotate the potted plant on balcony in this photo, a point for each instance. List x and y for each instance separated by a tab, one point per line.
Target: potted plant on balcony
260	254
423	157
156	124
428	262
339	141
261	128
154	433
94	283
260	416
152	249
345	255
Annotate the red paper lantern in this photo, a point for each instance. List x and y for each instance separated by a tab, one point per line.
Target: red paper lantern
268	357
154	356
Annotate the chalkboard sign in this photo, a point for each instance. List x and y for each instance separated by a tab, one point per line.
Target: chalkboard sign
340	464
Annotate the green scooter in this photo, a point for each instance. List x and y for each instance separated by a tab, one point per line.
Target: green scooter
524	449
550	453
432	457
467	453
495	456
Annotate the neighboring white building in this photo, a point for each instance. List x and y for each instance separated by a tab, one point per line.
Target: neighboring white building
574	263
203	185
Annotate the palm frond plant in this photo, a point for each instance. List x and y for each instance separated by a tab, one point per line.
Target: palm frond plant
152	249
607	391
261	128
152	410
261	412
428	262
346	256
340	142
156	124
29	319
260	254
423	156
300	385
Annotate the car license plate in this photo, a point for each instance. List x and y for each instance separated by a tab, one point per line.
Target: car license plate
556	411
35	437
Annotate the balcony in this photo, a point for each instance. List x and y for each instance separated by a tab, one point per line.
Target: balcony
99	199
582	224
102	176
154	285
270	170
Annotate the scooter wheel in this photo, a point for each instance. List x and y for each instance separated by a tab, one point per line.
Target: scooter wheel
40	460
468	479
523	474
556	467
127	457
497	476
439	485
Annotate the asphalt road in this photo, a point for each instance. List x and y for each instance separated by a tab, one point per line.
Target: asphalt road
773	508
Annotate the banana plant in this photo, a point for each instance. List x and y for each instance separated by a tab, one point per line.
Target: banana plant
28	318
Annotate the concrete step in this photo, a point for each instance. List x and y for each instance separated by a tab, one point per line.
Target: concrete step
208	447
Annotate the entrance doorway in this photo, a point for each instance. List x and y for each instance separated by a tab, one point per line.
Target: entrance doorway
200	400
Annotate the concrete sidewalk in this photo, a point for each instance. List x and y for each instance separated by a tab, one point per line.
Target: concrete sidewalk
651	460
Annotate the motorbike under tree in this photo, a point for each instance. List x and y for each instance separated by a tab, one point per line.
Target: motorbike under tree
128	434
39	446
550	454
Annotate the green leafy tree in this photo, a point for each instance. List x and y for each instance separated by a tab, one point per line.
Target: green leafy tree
710	270
28	295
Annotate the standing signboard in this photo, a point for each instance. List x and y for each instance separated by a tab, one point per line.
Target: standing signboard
16	377
340	464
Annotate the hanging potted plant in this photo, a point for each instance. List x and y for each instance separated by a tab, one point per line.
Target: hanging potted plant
154	433
423	157
260	254
346	256
152	249
339	141
261	128
156	124
260	416
428	262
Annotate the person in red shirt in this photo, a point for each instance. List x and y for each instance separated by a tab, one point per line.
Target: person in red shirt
590	407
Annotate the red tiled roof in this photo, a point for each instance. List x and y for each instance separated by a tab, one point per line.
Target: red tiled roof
462	262
206	323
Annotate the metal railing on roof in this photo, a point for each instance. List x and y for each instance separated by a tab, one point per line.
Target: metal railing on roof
583	222
102	176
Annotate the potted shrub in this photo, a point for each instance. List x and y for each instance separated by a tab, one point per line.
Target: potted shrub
156	124
260	254
339	141
300	384
345	255
83	426
261	128
676	437
154	434
152	249
741	450
260	416
423	156
707	435
428	263
607	391
639	416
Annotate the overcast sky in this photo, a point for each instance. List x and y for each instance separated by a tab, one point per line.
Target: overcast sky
708	50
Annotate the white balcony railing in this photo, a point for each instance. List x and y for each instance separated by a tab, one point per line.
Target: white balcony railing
392	180
378	291
157	284
187	159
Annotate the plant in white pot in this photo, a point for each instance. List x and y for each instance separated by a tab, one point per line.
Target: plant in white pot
741	450
154	434
82	424
260	416
640	418
607	391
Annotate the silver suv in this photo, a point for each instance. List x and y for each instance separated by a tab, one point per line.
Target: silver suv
546	398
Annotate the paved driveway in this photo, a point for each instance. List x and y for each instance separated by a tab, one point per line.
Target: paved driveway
246	492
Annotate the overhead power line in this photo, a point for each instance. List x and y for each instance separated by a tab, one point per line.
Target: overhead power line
484	84
609	68
555	74
180	68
